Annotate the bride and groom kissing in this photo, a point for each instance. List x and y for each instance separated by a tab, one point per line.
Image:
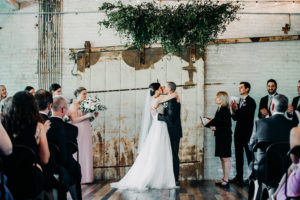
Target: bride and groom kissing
157	163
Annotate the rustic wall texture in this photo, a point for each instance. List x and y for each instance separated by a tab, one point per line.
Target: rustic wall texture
120	83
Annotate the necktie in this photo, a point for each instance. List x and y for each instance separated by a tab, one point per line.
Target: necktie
270	101
241	102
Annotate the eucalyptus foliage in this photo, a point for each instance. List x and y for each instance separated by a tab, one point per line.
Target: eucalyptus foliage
175	27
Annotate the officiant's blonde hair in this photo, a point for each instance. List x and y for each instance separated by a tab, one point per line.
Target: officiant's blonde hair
223	96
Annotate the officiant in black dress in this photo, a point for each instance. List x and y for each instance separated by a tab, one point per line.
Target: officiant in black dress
221	125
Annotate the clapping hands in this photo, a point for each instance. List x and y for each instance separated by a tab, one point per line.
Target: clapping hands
264	112
234	106
290	109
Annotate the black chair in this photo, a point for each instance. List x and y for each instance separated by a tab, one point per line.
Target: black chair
73	147
62	172
255	186
54	150
25	179
58	184
275	164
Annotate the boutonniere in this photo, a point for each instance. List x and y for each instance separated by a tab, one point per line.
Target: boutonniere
66	118
165	105
244	102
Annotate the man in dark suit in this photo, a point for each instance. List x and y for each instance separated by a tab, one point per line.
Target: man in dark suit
273	129
295	106
172	117
265	102
243	114
60	134
44	101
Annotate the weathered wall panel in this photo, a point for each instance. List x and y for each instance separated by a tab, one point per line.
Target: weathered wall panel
120	124
127	128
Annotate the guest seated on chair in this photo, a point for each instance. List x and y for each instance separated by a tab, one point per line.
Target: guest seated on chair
30	89
6	104
55	89
23	124
293	181
273	129
3	94
60	134
44	101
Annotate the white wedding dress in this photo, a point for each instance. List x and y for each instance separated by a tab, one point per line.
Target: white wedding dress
153	167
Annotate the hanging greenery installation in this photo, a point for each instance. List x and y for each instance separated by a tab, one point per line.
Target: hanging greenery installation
173	26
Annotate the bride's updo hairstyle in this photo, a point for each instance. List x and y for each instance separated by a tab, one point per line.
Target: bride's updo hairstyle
78	91
153	87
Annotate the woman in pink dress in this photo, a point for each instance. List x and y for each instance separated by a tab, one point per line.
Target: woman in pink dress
81	120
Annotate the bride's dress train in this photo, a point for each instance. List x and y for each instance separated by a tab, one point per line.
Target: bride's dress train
153	167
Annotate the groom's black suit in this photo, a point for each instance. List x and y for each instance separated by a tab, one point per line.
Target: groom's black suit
172	117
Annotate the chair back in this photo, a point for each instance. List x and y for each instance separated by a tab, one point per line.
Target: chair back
73	147
262	145
23	157
276	163
24	177
54	152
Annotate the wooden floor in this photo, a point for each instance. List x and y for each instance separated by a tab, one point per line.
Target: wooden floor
192	190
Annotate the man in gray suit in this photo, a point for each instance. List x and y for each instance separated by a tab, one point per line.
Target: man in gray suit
273	129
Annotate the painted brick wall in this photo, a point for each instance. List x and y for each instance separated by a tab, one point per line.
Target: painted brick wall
18	47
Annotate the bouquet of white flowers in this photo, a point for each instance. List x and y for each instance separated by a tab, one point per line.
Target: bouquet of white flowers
91	105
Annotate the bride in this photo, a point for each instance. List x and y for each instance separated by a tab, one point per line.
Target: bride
153	167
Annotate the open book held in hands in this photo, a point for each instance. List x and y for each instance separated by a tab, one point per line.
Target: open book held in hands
204	120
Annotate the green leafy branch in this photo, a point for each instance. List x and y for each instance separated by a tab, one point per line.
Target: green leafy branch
175	27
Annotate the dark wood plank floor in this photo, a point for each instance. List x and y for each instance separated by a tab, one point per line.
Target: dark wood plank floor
191	190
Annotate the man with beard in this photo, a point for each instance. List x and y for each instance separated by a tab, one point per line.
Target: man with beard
265	102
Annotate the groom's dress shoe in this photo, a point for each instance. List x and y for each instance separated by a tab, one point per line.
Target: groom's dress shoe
236	180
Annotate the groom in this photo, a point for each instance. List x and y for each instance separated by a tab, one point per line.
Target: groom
172	117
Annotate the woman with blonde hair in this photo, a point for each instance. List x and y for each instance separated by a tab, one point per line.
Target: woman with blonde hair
221	125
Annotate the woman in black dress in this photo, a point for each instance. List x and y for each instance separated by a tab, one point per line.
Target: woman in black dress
23	124
221	125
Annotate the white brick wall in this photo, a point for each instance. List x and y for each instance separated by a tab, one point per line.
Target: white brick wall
18	47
